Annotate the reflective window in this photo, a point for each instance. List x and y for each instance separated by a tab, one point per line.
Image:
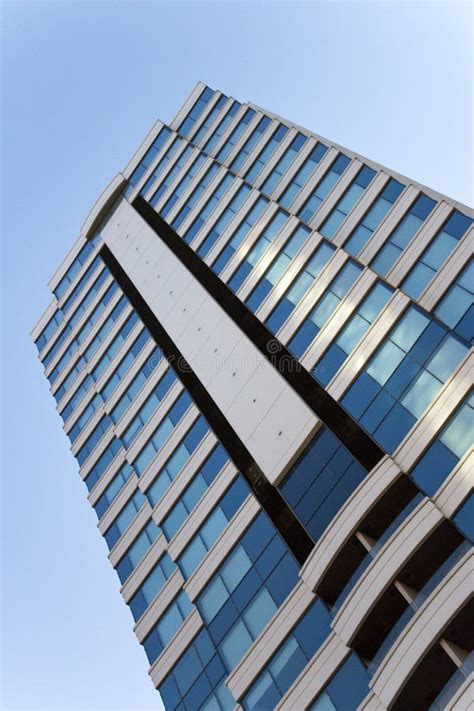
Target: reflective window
347	202
283	164
137	551
456	308
221	224
446	450
151	586
167	626
124	366
235	135
93	440
103	463
290	300
269	233
147	159
211	117
325	307
208	208
178	460
74	269
195	196
162	165
239	235
303	175
211	529
403	377
137	383
323	188
162	432
402	235
84	418
201	481
171	176
123	520
373	218
321	481
113	489
150	406
464	518
435	255
221	127
196	111
265	154
357	326
346	690
250	144
276	269
183	184
290	659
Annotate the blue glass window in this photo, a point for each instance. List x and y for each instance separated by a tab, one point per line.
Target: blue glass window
303	175
150	406
113	489
103	463
151	586
464	518
74	270
136	385
403	377
162	165
221	127
446	450
235	135
201	481
137	551
372	219
162	432
84	418
325	307
283	164
195	196
208	208
228	214
277	268
346	690
265	154
170	177
93	440
351	334
147	159
211	117
144	373
435	255
456	308
239	235
123	520
111	354
178	460
250	144
321	481
91	269
269	233
290	300
167	626
324	187
183	184
347	202
196	111
402	235
212	528
291	658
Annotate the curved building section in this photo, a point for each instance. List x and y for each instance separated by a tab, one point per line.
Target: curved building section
260	348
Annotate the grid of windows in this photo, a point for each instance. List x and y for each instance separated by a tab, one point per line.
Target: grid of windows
124	519
250	144
137	551
303	175
195	196
283	164
239	235
171	176
209	207
402	235
151	586
209	120
221	224
456	308
222	127
162	165
74	269
403	377
348	201
183	184
147	160
196	111
235	135
323	188
265	154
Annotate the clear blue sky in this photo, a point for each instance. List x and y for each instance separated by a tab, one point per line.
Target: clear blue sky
82	84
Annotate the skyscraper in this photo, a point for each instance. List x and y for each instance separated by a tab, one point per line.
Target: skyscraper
259	347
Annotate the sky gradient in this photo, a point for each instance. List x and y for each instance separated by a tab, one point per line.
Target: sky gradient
82	84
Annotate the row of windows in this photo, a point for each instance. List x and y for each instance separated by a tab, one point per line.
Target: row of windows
106	359
85	417
103	463
240	235
209	120
113	489
283	164
456	308
321	481
170	177
194	491
211	203
137	551
303	175
221	224
123	520
190	442
138	381
290	659
222	127
76	317
151	586
323	188
167	626
161	165
195	196
265	239
250	144
183	184
235	135
324	308
94	438
147	159
75	268
212	528
347	202
84	332
196	111
265	154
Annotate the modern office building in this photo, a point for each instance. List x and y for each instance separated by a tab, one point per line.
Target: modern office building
259	346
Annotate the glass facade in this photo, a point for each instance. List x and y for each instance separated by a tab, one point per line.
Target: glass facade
207	539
